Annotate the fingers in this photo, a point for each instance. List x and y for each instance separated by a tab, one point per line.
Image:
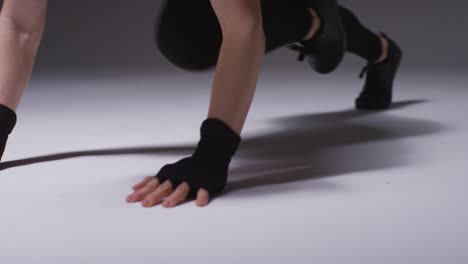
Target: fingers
151	192
202	197
142	183
156	196
177	196
140	194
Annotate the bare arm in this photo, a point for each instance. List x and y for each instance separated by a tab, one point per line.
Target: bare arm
237	71
21	27
239	62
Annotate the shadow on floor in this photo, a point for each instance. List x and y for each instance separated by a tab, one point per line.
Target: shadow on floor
302	147
327	144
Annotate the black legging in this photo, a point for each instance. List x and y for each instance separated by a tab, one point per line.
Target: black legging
189	35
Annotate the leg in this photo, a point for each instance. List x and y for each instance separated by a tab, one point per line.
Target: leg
383	59
189	34
361	41
21	27
286	22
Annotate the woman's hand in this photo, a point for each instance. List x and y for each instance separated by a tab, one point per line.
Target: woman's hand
203	174
237	71
150	192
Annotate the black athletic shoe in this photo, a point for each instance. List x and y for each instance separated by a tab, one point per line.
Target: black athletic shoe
326	49
7	123
378	89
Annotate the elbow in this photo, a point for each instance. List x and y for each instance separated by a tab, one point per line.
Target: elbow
34	31
30	27
241	21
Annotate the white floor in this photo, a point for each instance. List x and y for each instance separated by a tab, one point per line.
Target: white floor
314	181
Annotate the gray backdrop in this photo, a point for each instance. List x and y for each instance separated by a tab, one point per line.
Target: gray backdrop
117	35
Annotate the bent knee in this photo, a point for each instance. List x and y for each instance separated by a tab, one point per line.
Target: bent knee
185	52
188	38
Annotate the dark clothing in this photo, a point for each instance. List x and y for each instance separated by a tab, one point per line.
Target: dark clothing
189	35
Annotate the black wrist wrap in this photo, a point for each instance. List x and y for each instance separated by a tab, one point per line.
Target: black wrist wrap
208	167
7	123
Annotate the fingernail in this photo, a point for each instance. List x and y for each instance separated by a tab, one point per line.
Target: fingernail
146	203
166	204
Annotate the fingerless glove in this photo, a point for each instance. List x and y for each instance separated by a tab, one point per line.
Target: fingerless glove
208	167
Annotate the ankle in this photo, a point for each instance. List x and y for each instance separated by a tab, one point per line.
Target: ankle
315	25
384	45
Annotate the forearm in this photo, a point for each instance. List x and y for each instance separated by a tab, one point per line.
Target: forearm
21	27
238	67
17	52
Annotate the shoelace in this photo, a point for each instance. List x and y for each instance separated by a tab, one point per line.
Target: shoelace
369	65
364	71
303	50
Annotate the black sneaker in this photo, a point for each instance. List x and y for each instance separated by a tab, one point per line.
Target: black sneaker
326	49
378	89
7	123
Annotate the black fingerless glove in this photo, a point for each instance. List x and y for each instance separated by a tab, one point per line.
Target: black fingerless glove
7	123
208	167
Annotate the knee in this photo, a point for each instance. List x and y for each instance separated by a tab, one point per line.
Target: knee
187	47
348	18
